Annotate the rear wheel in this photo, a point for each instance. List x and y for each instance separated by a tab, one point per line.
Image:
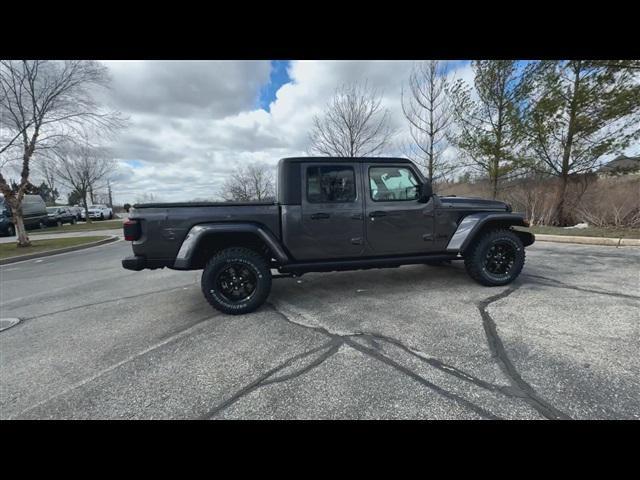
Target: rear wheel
102	216
73	220
236	281
496	258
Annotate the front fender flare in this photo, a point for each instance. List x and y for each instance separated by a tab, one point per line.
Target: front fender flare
472	224
197	232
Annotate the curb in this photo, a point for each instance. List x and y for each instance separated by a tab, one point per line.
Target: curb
21	258
612	242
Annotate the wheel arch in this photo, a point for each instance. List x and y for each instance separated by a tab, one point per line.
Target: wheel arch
204	240
474	225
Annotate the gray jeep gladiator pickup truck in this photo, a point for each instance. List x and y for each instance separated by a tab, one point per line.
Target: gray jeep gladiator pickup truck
330	214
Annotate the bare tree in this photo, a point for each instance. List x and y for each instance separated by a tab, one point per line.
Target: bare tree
83	168
43	103
426	107
354	124
250	182
147	197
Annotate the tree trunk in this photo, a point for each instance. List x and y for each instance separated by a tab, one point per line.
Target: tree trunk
495	185
86	208
559	217
21	231
559	211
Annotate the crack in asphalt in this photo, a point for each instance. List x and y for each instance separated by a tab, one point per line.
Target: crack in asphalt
497	348
448	369
561	284
401	368
346	339
331	347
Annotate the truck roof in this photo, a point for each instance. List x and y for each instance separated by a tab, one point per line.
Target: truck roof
345	159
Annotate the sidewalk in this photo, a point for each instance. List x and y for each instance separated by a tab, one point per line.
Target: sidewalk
613	242
89	233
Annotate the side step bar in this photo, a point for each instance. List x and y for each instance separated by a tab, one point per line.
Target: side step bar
363	263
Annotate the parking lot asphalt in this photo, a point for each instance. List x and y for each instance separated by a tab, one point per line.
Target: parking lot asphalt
416	342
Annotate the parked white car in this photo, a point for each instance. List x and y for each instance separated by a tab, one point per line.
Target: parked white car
99	212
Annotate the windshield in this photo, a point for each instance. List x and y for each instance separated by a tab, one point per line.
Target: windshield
94	206
52	209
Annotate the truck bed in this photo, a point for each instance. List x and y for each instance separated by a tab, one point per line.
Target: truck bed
165	225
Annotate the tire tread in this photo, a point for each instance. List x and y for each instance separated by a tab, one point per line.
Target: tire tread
474	266
259	261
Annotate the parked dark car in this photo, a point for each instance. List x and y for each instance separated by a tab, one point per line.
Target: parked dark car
57	216
331	214
34	213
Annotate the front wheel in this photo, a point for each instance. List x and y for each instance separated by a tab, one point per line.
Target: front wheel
496	258
236	281
11	231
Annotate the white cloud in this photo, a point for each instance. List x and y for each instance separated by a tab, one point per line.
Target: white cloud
192	122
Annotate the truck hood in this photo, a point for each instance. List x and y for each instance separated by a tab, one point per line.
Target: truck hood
474	203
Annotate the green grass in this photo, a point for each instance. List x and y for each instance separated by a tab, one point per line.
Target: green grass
8	250
610	232
82	227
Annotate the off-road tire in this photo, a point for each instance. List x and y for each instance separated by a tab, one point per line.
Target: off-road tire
256	264
475	257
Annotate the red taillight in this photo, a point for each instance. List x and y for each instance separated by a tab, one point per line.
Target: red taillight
131	230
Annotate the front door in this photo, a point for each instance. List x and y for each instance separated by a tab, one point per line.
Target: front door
332	212
396	221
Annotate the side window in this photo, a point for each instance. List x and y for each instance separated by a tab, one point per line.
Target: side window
392	184
331	184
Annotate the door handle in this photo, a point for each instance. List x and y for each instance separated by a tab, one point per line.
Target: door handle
318	216
377	213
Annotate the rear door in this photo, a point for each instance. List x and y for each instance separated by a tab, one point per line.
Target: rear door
396	221
332	212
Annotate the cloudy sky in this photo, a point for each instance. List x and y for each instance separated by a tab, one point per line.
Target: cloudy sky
192	122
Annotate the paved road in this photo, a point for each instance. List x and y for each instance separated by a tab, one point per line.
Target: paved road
97	341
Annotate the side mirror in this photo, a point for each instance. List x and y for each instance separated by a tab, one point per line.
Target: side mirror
425	192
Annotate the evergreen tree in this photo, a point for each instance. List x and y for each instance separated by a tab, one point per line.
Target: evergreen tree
489	119
580	111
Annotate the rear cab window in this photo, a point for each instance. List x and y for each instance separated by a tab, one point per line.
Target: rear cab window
331	184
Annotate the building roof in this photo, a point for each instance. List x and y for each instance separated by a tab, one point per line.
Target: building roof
621	163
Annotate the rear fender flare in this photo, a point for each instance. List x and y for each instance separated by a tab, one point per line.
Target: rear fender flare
198	232
472	224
